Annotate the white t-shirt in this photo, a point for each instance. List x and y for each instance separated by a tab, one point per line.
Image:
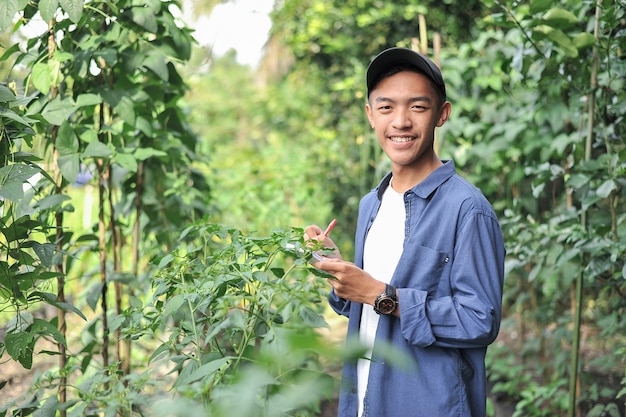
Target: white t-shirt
381	253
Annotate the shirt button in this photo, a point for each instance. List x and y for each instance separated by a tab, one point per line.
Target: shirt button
447	259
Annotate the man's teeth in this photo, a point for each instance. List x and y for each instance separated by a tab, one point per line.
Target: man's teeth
400	139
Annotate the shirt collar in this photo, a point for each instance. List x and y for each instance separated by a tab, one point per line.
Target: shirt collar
426	187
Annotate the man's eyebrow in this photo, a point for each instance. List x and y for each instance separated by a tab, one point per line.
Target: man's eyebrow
380	99
421	98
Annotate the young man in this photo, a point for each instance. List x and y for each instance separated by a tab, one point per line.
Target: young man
429	261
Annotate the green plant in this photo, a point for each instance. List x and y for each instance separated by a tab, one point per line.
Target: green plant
27	255
522	93
239	312
546	145
507	374
99	105
600	410
539	400
229	328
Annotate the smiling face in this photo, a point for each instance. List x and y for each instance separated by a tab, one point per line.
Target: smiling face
404	109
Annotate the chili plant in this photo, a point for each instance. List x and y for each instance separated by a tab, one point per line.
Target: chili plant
239	311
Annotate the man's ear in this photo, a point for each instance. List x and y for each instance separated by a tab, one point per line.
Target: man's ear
444	113
368	111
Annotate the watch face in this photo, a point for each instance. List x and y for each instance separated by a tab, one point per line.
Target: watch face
386	306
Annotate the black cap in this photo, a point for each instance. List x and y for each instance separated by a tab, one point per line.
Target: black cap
398	56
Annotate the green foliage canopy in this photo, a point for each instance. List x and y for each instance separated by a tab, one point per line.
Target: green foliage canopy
538	124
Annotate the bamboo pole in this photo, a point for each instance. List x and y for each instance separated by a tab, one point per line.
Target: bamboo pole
423	35
574	382
59	238
421	46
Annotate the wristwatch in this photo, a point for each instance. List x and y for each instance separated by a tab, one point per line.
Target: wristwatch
386	302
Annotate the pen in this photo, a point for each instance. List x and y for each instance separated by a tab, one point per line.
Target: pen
330	227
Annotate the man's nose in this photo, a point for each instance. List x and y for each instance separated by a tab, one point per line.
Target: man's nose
402	119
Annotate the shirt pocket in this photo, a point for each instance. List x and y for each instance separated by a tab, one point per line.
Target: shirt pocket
421	268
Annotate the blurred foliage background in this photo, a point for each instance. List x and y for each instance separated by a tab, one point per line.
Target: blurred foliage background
134	162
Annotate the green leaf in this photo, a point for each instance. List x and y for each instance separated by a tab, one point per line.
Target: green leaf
7	12
45	328
109	55
12	191
188	369
161	350
112	97
73	8
59	111
66	142
539	6
589	200
116	322
564	42
583	40
144	125
559	38
165	261
561	142
93	295
19	173
606	188
153	5
560	16
88	99
20	346
69	165
49	408
208	369
173	305
12	179
55	200
97	150
156	62
47	9
89	135
42	79
578	180
125	108
142	154
45	252
321	274
312	318
10	51
62	56
8	114
25	259
56	75
52	300
127	161
6	95
182	43
145	18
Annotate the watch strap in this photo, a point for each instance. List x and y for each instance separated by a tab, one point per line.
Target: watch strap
381	303
391	291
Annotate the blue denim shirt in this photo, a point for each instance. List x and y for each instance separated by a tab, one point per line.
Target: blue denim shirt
449	280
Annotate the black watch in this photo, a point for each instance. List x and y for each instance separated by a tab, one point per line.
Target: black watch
386	302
